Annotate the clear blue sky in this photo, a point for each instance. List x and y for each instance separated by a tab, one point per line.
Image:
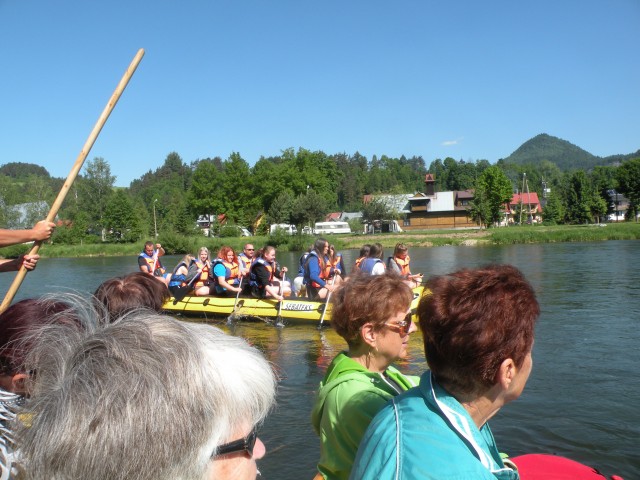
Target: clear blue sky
466	79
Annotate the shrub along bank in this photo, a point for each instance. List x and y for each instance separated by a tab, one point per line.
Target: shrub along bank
176	244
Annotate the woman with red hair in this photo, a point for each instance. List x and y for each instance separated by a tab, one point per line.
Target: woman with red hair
478	328
226	273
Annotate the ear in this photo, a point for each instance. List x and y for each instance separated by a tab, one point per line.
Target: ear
506	372
368	334
18	383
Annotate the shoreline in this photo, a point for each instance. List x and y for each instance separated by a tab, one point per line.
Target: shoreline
179	245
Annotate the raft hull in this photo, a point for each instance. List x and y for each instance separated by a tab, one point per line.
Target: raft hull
297	309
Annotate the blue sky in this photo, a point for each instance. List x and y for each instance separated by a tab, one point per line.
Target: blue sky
466	79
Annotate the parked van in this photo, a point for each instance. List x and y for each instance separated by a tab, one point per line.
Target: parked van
327	228
288	229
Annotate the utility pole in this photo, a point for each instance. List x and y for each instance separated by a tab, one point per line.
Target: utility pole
524	178
155	224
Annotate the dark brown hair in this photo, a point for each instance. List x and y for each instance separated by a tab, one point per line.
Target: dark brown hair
472	321
367	299
20	321
130	292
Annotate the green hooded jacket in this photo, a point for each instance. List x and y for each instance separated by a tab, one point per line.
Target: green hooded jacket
348	399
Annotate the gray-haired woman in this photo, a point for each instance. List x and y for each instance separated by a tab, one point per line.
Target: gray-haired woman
146	397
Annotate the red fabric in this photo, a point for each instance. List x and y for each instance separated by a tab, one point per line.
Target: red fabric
536	466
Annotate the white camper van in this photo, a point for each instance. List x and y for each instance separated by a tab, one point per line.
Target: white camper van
327	228
288	229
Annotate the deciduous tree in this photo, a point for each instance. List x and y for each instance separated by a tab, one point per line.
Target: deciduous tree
493	190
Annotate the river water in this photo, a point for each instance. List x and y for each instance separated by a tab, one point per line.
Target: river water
583	396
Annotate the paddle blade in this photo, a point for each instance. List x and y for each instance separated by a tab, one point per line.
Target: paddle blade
179	293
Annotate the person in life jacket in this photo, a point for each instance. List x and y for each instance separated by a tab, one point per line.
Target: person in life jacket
263	274
203	263
399	263
149	262
298	282
226	278
335	269
183	274
373	264
245	259
316	273
364	253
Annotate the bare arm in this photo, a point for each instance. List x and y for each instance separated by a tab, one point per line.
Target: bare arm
223	283
40	231
29	262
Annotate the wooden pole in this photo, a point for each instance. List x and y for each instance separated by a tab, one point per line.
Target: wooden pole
13	289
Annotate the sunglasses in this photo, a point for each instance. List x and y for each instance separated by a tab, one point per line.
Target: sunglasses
245	444
403	326
250	249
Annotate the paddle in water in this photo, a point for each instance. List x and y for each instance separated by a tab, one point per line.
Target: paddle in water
236	305
279	322
326	304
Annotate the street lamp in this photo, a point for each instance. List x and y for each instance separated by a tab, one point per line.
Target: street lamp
155	224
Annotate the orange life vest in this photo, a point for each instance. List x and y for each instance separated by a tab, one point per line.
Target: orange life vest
404	265
204	276
329	265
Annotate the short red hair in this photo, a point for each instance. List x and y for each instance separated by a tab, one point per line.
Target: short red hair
472	321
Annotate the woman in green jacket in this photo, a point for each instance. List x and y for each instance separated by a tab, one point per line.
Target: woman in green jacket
372	313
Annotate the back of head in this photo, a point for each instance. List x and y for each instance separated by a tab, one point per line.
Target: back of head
375	251
474	319
129	292
364	250
367	299
20	322
145	397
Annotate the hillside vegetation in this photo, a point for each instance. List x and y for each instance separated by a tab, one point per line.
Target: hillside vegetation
564	154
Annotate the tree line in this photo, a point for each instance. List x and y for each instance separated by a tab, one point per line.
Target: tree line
298	187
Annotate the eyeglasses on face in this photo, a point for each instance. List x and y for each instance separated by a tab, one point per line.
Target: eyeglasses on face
250	249
403	326
245	444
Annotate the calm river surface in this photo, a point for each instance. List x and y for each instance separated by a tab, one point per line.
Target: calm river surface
582	399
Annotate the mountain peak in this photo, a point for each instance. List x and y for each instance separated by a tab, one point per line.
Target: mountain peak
564	154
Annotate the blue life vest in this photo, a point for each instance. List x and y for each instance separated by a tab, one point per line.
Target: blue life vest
178	280
366	266
253	278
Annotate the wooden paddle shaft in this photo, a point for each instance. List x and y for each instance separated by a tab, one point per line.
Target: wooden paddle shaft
13	289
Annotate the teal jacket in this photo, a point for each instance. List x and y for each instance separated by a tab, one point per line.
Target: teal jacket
426	433
348	399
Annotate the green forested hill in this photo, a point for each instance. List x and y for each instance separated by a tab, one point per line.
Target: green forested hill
565	155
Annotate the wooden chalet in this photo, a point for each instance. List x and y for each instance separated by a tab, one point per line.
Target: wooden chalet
438	210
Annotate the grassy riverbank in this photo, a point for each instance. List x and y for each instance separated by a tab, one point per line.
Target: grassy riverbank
424	238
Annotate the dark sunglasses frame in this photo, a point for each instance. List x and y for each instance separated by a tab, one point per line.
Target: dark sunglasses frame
245	444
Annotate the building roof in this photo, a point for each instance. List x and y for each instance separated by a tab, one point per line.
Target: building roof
346	216
528	198
465	194
397	203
